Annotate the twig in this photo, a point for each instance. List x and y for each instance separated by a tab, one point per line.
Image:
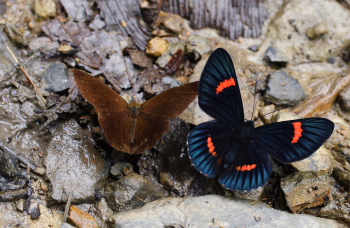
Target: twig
66	211
23	159
26	74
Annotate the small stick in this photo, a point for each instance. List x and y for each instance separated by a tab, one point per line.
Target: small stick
66	211
26	74
23	159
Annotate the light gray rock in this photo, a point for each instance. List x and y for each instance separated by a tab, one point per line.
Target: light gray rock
214	211
288	32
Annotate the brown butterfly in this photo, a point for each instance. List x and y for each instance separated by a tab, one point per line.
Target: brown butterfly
133	128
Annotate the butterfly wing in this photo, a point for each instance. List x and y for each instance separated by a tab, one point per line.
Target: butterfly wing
112	110
219	94
154	116
249	169
207	145
291	141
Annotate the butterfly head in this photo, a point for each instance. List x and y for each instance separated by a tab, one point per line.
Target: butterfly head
134	108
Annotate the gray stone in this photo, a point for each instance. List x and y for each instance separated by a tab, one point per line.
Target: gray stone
214	211
132	191
282	89
275	55
45	46
56	77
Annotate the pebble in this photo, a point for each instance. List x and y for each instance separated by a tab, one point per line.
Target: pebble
56	77
276	56
282	89
317	31
157	46
45	8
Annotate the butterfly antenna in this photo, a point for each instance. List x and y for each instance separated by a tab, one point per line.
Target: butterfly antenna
256	83
273	112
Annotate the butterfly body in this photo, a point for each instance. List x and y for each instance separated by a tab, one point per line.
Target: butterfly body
232	150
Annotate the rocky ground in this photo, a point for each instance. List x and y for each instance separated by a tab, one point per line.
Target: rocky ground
53	152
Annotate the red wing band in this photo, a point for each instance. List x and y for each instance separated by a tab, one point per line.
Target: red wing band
246	167
225	84
297	132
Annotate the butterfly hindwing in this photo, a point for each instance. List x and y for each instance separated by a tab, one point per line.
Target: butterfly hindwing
219	94
291	141
207	146
250	169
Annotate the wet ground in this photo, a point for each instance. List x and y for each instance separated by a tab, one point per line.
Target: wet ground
53	152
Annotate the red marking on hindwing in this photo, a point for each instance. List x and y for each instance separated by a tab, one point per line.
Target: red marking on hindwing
211	147
225	84
246	167
297	132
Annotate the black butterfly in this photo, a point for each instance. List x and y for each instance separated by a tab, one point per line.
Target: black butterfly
231	149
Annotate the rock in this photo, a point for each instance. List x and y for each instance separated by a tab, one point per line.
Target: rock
81	218
97	23
102	210
71	157
282	89
172	22
197	46
213	211
341	170
8	164
306	190
336	210
173	82
276	56
294	21
121	169
79	10
56	77
33	208
132	191
45	46
254	48
317	30
157	46
45	8
344	99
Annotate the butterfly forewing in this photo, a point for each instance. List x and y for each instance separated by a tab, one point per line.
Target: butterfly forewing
207	145
153	120
291	141
219	94
112	109
172	102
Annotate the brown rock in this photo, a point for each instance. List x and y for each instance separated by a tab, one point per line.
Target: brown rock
157	46
82	219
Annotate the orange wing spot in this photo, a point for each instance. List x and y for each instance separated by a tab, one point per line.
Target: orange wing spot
246	167
297	132
211	147
225	84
